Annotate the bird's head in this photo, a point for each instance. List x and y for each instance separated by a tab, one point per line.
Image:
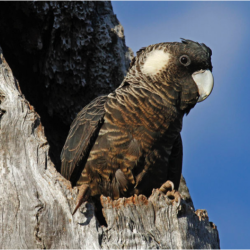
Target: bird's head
180	71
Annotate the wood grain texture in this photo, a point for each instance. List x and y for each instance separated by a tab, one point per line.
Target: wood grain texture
37	202
156	223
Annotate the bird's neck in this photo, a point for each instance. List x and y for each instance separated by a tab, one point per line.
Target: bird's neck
162	85
141	106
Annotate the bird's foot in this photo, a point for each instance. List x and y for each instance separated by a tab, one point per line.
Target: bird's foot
83	195
168	189
167	186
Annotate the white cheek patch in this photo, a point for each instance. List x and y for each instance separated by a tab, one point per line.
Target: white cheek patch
155	61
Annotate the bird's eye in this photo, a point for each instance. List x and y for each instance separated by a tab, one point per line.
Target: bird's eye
185	60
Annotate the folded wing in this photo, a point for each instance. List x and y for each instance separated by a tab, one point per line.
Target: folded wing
81	138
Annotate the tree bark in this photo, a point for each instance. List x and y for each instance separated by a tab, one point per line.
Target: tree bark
65	54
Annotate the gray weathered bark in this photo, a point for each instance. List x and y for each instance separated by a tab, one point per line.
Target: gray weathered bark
35	200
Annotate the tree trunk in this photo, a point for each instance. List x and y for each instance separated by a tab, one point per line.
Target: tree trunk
65	54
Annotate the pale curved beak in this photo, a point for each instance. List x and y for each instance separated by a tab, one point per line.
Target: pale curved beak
205	82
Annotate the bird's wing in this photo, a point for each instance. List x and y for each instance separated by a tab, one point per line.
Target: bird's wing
175	163
81	137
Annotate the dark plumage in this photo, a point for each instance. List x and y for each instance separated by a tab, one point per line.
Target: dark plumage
129	141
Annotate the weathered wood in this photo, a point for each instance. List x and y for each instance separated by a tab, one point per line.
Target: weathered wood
35	204
157	222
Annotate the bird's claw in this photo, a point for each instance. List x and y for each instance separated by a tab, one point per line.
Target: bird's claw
83	195
167	186
168	189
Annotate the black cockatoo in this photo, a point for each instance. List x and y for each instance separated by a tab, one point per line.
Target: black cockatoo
129	142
